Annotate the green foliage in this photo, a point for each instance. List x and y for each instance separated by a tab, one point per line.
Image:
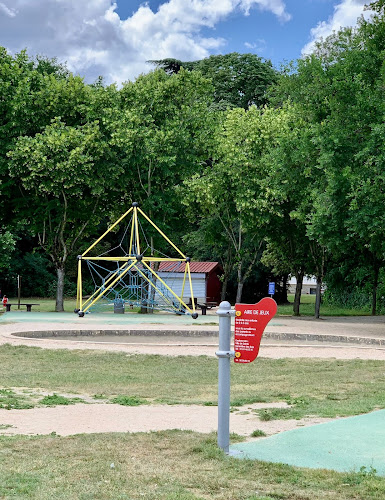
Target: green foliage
55	400
273	181
258	433
239	80
7	244
9	400
128	401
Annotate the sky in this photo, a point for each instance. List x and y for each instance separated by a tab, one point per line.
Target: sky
114	39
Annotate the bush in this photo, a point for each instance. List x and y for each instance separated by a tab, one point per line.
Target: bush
350	299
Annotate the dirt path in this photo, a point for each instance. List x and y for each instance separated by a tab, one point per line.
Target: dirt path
94	418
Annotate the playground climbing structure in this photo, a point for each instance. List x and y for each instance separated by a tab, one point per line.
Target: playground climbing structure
128	274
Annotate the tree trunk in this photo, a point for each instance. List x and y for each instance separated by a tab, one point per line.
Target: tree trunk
284	298
318	297
240	283
60	289
376	270
224	287
297	297
239	292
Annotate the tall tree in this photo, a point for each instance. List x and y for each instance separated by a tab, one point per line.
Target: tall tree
239	80
163	136
66	188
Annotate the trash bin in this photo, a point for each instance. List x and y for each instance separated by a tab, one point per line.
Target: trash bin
119	306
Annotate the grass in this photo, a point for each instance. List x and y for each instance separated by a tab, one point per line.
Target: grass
9	400
48	305
128	401
176	465
57	400
258	433
308	304
167	465
326	388
306	309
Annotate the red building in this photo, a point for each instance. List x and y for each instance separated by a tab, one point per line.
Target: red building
205	277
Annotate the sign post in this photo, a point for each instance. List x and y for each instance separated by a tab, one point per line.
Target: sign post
271	288
224	355
250	322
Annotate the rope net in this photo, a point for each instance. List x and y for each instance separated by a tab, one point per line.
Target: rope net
135	274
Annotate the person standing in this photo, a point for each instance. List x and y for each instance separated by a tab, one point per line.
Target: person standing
5	301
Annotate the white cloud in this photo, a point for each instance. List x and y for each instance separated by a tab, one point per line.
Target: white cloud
7	11
345	14
91	37
258	46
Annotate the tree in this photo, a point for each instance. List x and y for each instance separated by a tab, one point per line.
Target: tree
163	136
339	89
230	189
239	80
66	188
7	244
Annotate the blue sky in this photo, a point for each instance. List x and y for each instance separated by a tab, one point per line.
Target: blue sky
268	36
115	38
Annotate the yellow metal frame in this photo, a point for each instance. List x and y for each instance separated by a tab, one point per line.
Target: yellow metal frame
131	261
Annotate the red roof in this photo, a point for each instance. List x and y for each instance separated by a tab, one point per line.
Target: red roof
195	267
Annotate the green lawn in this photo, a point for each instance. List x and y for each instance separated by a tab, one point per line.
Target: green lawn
327	388
172	465
307	307
175	465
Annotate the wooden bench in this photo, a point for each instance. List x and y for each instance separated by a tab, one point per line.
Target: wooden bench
29	306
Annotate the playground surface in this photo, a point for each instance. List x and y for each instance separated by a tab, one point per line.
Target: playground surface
166	334
342	444
345	445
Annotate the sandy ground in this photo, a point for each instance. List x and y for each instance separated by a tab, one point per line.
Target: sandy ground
91	418
94	418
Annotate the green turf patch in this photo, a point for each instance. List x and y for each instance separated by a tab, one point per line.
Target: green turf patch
166	465
129	401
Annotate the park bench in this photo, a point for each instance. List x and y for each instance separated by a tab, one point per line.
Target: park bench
29	306
203	306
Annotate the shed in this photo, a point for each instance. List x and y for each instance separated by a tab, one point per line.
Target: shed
204	277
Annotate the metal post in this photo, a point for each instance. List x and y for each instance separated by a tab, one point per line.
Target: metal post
18	290
224	355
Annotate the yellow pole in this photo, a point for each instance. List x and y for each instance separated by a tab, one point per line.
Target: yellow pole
191	288
168	288
112	259
162	233
109	286
108	230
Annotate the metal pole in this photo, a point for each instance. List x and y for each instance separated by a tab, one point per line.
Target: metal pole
18	290
224	355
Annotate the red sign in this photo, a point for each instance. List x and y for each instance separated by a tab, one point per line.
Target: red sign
250	323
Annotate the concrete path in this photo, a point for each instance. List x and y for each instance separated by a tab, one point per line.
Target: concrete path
343	338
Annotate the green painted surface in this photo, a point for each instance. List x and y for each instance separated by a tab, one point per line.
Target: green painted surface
105	318
109	318
346	444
